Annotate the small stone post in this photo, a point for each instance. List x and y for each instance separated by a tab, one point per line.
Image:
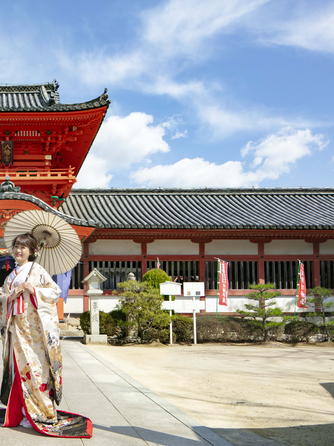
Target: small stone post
94	279
132	332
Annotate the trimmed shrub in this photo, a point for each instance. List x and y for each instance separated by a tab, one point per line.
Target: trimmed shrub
226	329
182	328
85	322
110	323
156	276
154	334
301	330
118	318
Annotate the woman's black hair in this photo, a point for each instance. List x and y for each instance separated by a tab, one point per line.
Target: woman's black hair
29	241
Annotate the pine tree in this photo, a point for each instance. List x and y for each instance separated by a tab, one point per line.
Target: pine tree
264	309
319	301
142	305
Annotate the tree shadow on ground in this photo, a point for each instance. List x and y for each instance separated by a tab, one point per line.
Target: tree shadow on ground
330	389
310	435
154	437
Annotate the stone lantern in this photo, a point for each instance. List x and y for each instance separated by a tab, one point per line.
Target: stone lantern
94	280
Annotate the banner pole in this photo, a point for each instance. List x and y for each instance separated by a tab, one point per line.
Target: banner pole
217	287
297	288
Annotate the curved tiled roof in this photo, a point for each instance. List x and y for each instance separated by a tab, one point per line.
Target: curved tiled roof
9	192
303	208
42	97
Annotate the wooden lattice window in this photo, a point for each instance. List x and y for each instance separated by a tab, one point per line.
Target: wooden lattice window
240	274
327	273
77	277
284	274
179	271
116	271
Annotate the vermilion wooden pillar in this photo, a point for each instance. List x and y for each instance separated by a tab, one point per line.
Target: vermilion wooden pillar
260	264
201	263
60	308
316	270
143	259
316	265
85	274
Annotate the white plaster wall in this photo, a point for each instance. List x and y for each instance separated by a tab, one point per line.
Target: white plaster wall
115	247
108	303
288	247
170	247
234	303
221	247
287	304
74	304
327	247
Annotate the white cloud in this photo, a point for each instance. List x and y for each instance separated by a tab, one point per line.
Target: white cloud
182	26
272	157
223	120
93	174
309	27
194	173
121	142
101	68
179	33
172	124
179	135
168	32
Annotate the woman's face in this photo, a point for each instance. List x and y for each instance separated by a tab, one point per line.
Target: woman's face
21	253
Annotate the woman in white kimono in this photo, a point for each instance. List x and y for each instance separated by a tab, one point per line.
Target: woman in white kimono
32	375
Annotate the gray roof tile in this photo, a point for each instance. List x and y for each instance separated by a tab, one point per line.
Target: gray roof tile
42	97
302	208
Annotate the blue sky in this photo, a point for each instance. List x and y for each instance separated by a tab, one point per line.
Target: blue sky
211	93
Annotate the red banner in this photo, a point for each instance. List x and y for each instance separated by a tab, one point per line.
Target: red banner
222	282
301	287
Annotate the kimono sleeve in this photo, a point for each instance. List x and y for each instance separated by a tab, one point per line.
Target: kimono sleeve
4	294
46	291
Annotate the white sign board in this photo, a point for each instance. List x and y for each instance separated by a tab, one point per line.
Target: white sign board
193	289
170	289
184	306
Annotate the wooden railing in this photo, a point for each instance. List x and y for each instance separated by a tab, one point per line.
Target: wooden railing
37	175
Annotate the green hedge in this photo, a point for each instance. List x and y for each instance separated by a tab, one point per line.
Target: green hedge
111	324
301	330
156	276
209	328
182	328
225	329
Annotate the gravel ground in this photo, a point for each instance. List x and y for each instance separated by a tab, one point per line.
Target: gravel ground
279	392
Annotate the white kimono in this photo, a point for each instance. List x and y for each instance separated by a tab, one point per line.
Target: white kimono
32	353
31	345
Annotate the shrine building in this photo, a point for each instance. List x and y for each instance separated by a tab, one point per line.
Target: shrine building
261	232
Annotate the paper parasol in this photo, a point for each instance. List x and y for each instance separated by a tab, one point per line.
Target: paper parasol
61	245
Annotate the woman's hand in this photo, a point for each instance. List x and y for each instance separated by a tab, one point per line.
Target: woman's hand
17	291
28	287
21	289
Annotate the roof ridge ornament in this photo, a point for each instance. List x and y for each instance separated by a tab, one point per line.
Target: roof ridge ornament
8	186
55	84
104	95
